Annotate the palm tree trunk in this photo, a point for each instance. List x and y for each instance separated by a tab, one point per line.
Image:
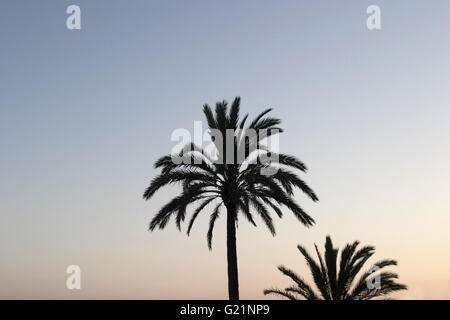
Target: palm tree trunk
233	282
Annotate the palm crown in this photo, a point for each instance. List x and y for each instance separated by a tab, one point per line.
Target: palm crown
238	185
341	285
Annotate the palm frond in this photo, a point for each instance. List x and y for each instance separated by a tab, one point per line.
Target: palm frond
279	292
197	212
173	177
303	288
212	221
234	113
210	117
262	211
259	117
316	273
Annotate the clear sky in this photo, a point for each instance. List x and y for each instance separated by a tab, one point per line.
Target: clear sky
85	113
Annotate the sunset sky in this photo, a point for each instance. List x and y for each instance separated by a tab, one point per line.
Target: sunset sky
85	113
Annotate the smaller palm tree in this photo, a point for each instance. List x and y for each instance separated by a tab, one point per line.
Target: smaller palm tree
341	285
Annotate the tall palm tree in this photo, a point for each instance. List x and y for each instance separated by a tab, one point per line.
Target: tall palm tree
236	186
334	285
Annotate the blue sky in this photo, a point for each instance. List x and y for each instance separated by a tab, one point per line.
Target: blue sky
85	113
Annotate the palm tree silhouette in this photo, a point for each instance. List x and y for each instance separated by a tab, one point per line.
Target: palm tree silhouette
334	285
237	186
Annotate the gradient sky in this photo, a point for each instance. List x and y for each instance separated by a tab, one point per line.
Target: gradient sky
85	113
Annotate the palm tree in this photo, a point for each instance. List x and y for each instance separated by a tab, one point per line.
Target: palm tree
334	285
237	186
